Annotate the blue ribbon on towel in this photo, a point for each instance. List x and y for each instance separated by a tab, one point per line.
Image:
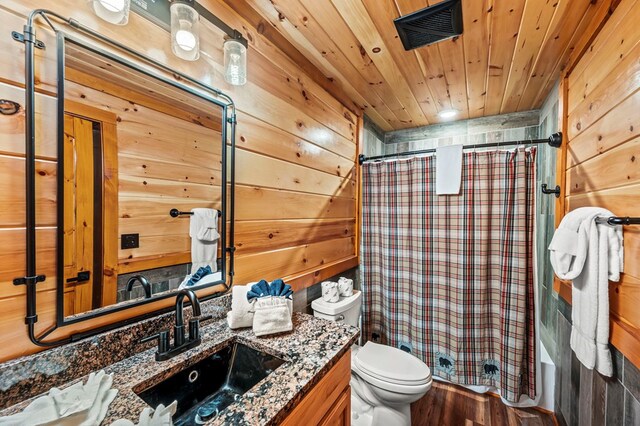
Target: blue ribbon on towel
263	288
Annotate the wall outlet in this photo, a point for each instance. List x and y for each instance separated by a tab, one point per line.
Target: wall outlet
129	241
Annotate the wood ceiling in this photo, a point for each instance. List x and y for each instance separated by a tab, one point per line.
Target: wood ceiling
507	60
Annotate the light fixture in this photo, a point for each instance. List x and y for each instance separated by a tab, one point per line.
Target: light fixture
113	11
235	62
185	34
447	113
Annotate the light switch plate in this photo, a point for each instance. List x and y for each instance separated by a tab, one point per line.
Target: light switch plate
129	241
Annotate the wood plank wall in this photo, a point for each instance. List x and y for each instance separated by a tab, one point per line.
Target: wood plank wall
601	100
296	192
164	162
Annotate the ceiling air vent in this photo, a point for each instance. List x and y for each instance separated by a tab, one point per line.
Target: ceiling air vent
430	25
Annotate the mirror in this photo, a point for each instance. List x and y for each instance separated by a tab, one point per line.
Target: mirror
143	176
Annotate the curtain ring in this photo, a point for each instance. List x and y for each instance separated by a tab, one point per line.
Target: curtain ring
8	107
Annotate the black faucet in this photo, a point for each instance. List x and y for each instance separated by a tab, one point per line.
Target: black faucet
180	343
143	282
178	329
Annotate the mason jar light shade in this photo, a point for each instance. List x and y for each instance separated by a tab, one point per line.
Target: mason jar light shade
185	35
113	11
235	63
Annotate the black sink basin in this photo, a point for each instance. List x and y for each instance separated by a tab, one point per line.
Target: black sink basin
206	388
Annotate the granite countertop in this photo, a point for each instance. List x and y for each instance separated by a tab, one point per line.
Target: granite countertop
310	350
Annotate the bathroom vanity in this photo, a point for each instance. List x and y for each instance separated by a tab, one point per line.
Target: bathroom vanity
310	385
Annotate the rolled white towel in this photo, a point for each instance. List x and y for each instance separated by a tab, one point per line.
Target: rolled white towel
345	286
330	292
79	404
241	313
272	315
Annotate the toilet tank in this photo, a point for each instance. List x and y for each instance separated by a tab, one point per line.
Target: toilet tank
346	310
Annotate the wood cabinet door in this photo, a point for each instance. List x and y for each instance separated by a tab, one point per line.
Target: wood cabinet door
340	413
318	405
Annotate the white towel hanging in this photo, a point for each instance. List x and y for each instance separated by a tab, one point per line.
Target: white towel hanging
448	169
203	231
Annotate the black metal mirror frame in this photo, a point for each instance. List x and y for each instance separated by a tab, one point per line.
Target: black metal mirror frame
32	277
62	39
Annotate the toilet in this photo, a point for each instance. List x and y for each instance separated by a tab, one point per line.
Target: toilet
384	380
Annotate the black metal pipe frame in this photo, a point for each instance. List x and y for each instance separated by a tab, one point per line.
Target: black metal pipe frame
555	140
31	279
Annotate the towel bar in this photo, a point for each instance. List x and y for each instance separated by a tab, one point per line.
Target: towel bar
176	213
614	220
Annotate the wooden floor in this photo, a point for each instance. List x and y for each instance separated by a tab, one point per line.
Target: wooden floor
450	405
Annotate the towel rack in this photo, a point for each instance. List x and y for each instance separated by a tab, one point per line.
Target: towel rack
614	220
176	213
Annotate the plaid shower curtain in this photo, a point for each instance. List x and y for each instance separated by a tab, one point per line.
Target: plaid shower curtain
450	278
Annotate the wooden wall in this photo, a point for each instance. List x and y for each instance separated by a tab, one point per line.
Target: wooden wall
600	103
296	192
164	162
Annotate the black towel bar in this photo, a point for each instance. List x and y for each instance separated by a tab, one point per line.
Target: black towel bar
176	213
614	220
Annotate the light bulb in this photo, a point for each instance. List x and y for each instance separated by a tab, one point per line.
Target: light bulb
113	11
235	63
186	40
185	33
113	5
448	113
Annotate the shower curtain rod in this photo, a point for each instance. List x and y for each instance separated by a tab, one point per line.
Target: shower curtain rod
555	140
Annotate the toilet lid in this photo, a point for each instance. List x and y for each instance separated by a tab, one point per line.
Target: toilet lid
391	364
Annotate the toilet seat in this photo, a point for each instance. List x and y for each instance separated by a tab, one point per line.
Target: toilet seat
391	369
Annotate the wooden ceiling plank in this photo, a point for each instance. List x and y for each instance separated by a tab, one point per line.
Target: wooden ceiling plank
477	26
326	30
383	12
452	56
275	46
505	26
566	20
347	77
355	14
430	59
536	19
345	58
453	59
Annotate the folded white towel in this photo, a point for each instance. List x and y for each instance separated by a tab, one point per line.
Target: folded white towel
330	291
345	286
241	313
161	417
79	405
590	254
448	169
272	315
203	230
